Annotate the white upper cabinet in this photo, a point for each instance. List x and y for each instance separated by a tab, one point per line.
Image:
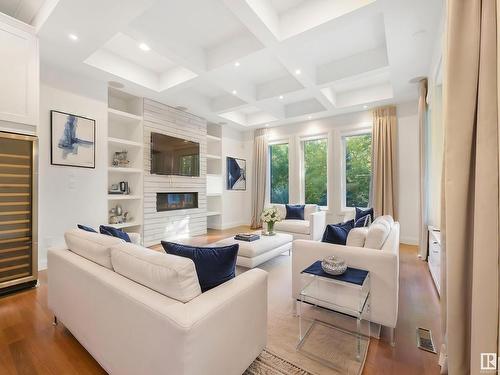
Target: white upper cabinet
19	72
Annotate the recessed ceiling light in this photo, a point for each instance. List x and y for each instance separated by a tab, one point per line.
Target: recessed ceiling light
297	72
234	92
281	97
267	125
365	106
236	63
144	47
309	117
73	37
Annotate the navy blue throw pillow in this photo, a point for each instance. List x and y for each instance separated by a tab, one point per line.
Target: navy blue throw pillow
214	265
86	228
114	232
337	233
363	221
362	213
294	212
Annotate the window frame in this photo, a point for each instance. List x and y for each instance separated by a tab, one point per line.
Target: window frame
275	142
302	173
343	166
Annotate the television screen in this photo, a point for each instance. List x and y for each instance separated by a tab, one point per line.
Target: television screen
174	156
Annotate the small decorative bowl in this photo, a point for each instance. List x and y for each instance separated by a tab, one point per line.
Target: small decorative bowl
333	265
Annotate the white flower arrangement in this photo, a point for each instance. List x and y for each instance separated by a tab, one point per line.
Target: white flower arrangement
270	215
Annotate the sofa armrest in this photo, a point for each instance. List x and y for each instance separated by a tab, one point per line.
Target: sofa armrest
317	222
383	267
135	238
227	325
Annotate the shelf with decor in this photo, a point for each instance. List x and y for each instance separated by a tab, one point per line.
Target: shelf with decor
118	197
214	176
126	225
125	161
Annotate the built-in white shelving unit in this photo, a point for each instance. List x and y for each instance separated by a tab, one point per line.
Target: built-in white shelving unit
125	133
214	176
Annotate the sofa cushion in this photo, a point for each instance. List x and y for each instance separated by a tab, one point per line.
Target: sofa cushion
309	209
362	213
92	246
378	232
86	228
294	212
214	265
281	210
114	232
357	237
337	233
170	275
293	226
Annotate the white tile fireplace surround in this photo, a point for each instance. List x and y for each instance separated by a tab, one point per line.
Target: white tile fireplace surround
179	222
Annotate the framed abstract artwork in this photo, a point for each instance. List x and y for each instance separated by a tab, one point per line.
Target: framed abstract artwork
236	173
72	140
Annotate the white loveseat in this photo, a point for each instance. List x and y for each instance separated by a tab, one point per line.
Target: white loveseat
154	320
311	228
382	262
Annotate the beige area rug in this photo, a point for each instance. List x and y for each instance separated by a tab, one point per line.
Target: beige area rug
269	364
283	331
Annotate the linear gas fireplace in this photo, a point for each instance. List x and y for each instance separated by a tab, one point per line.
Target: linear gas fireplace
176	201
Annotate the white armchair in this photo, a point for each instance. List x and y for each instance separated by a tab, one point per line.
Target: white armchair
311	228
383	264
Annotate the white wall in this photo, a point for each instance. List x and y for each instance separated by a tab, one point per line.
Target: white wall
333	127
236	204
69	195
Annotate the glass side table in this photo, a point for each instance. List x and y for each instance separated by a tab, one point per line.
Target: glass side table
347	294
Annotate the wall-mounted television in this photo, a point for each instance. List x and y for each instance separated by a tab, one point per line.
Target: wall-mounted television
174	156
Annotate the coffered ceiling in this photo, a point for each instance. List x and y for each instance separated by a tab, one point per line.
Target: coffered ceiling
249	63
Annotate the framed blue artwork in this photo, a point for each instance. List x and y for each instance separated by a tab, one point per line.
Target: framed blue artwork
72	140
236	173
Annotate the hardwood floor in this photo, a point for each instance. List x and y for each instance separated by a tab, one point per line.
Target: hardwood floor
30	344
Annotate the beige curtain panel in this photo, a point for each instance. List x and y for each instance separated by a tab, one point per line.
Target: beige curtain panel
422	110
470	212
259	176
384	193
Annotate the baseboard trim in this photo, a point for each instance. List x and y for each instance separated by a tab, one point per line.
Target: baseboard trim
408	240
42	265
233	225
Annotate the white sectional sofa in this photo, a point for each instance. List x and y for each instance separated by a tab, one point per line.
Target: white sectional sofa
138	311
311	228
382	262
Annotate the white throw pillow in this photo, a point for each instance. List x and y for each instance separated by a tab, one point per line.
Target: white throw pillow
92	246
281	210
357	237
309	209
378	232
170	275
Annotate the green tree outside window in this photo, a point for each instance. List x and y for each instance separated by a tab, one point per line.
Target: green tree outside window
358	169
278	156
315	171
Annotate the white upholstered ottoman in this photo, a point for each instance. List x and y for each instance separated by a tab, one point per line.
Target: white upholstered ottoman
251	254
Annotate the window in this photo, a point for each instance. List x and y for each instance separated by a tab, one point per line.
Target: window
315	171
278	156
358	169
